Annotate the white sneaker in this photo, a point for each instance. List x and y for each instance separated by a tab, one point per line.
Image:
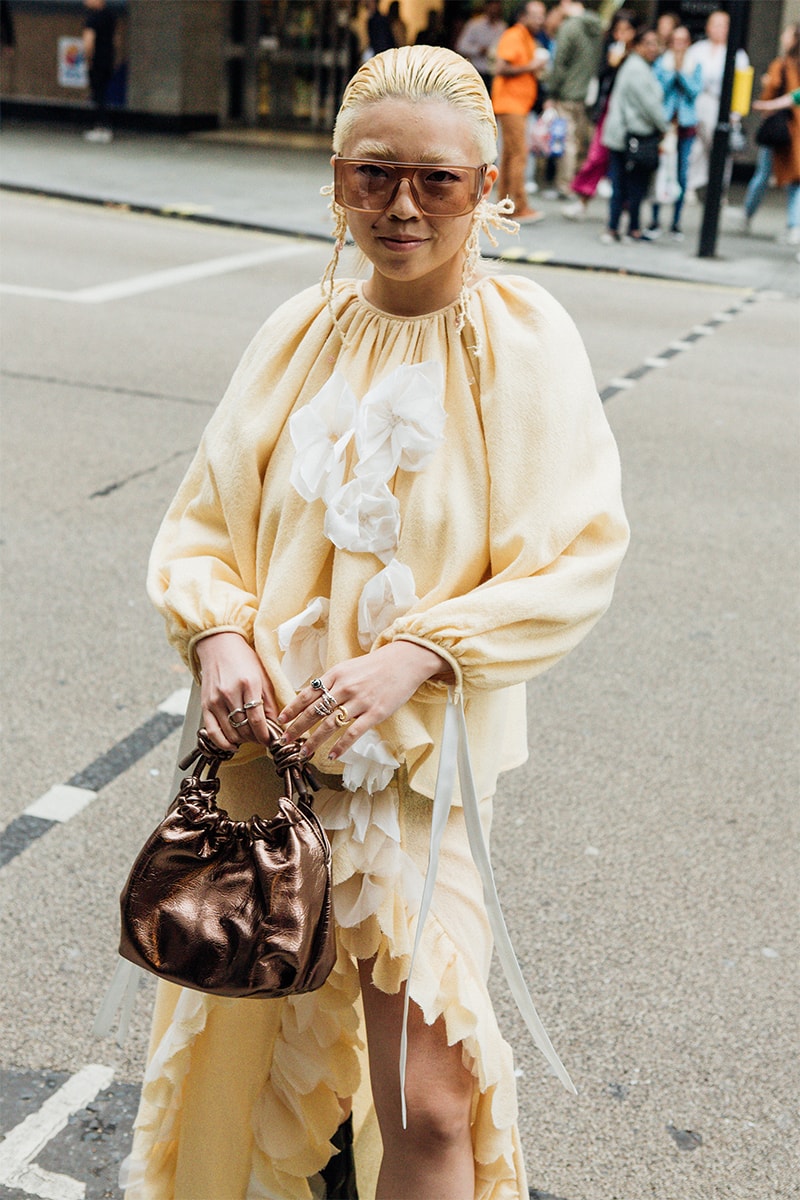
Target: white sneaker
604	189
531	187
574	212
98	135
793	236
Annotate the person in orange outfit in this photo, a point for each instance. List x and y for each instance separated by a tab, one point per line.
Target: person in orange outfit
520	60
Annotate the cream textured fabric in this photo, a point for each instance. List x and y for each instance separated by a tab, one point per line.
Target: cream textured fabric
514	527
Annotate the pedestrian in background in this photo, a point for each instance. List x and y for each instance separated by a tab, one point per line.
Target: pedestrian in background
710	54
636	108
346	462
681	88
98	48
781	79
479	37
399	30
379	30
519	61
577	60
666	25
595	166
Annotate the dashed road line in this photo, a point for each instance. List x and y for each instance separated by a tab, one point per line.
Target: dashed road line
655	362
25	1142
66	800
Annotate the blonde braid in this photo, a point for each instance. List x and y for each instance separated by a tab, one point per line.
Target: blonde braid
340	235
487	216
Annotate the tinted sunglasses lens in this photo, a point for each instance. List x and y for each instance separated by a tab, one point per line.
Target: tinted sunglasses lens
365	186
445	191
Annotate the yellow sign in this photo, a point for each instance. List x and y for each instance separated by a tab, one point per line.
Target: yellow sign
742	90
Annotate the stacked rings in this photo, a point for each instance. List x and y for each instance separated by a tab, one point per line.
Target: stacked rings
243	710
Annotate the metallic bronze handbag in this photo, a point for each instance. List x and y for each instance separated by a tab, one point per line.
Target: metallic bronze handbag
236	908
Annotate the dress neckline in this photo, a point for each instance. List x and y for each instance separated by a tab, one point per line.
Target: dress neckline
381	312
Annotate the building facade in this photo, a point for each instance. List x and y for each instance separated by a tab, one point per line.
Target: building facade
279	64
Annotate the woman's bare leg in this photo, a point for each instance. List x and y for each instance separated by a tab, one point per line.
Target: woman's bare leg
433	1156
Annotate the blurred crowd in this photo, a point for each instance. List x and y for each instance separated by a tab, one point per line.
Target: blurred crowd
622	111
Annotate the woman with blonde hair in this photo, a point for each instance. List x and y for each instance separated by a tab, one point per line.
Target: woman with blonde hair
407	501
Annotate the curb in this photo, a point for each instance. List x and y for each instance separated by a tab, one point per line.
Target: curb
538	258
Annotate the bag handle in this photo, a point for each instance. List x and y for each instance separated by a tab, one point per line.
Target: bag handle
297	775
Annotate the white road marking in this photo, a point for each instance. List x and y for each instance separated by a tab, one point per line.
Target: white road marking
25	1141
680	345
656	362
705	330
61	803
176	704
622	382
171	277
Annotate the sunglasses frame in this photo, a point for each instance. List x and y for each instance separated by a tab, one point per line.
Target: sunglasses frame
408	171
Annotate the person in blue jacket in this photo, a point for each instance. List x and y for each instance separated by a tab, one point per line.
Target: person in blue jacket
682	85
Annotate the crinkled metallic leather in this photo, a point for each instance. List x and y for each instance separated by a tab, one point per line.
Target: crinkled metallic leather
235	908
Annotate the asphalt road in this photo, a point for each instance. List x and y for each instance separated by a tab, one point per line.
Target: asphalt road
644	855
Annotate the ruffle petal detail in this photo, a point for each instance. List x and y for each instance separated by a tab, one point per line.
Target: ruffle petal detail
387	596
304	639
368	763
314	1062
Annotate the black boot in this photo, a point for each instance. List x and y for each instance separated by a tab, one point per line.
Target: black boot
340	1173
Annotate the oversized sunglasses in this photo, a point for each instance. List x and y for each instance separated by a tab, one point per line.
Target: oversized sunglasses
370	185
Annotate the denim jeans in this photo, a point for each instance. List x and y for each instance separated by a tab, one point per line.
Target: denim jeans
684	150
757	187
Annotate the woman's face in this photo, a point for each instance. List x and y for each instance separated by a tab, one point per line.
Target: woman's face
717	27
623	32
417	260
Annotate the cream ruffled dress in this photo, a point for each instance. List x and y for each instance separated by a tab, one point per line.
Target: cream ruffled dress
344	495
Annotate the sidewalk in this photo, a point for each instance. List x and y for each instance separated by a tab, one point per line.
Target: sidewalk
260	180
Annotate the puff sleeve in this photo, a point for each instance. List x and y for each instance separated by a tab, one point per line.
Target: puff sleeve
557	530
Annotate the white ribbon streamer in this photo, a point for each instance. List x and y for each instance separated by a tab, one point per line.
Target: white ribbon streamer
455	754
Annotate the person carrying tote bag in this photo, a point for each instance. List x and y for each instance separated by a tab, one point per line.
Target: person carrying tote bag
632	133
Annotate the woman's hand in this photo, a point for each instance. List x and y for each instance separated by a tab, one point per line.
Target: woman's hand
367	689
234	681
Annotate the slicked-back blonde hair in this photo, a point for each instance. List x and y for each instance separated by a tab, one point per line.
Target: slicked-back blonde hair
420	73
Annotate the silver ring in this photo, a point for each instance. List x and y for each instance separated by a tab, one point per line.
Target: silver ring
252	704
318	685
322	709
238	724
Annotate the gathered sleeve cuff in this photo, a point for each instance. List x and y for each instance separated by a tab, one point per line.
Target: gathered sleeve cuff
557	528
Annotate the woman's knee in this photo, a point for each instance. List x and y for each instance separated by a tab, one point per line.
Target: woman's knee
439	1117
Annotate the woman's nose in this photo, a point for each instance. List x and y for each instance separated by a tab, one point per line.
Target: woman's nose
403	204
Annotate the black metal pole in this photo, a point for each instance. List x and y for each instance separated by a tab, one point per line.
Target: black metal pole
707	247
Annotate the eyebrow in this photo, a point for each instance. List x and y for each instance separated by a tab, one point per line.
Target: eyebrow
379	150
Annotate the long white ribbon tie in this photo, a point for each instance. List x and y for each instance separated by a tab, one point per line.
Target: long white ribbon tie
455	755
120	998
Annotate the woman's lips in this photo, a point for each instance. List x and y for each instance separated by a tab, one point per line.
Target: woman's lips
402	245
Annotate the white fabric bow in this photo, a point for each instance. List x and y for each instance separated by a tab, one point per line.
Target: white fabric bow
364	516
321	432
304	639
401	421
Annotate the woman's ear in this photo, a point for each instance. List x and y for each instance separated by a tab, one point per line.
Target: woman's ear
489	180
